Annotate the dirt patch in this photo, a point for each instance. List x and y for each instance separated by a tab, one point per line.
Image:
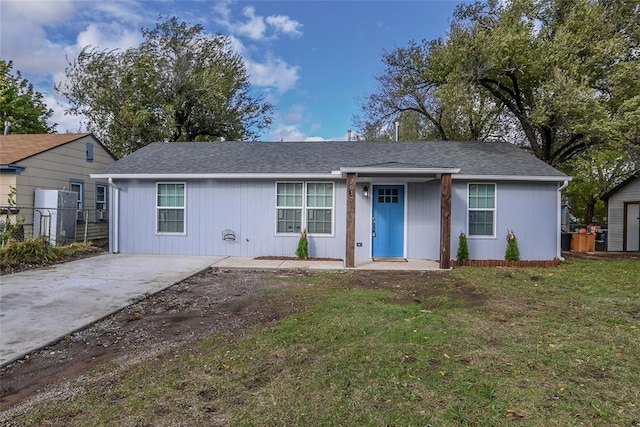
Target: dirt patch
217	301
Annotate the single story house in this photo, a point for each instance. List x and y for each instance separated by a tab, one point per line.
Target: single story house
56	162
356	200
623	206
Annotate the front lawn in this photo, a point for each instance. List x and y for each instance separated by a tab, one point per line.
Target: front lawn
478	346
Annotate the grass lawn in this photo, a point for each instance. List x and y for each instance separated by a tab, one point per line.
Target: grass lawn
478	346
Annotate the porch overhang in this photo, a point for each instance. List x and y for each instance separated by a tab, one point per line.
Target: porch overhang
351	176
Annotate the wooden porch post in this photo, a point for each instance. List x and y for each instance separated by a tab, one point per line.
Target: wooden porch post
350	261
445	221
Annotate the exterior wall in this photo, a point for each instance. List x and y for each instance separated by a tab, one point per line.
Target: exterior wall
212	206
54	168
423	220
628	193
530	209
248	208
7	180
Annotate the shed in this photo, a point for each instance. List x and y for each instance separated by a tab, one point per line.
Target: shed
623	206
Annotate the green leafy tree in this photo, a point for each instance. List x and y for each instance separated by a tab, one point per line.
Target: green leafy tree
414	90
180	84
21	105
567	71
596	172
556	76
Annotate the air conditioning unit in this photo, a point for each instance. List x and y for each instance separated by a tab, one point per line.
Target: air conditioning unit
102	215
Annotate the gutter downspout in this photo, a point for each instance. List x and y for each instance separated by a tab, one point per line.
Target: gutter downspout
115	233
559	221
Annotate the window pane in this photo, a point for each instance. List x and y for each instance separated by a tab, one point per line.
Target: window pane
78	189
171	220
482	196
289	194
101	193
101	197
320	195
319	221
289	220
171	195
481	223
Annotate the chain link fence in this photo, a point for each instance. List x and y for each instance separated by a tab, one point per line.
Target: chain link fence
58	226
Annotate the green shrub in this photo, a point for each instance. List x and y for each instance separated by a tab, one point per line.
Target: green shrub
302	251
30	251
512	253
463	248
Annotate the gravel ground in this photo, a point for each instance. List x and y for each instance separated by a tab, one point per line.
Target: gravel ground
215	301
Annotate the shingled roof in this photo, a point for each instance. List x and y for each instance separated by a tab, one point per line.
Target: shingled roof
233	158
14	148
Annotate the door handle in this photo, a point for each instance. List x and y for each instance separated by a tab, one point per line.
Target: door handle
373	227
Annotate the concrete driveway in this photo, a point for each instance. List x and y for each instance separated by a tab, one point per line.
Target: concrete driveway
38	307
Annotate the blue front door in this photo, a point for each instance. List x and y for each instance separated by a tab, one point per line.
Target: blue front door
388	221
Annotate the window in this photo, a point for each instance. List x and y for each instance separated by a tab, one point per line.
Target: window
170	207
89	152
289	206
314	199
388	195
78	187
482	209
319	208
101	202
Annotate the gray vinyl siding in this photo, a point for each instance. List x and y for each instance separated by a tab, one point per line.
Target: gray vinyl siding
54	168
529	209
245	207
423	220
615	219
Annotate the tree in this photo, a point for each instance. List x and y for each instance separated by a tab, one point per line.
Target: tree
596	172
567	71
180	84
20	105
414	90
557	76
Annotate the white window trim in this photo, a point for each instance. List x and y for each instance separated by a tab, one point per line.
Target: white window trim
304	208
106	192
184	208
494	210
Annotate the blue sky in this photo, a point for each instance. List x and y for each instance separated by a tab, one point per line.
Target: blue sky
314	60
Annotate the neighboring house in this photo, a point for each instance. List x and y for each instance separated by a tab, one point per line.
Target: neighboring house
57	162
623	204
356	200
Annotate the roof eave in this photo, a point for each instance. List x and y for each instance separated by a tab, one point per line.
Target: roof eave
14	167
539	178
215	175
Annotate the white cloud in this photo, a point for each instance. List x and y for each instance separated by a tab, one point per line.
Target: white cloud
274	73
110	35
23	38
36	12
284	132
254	26
284	24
